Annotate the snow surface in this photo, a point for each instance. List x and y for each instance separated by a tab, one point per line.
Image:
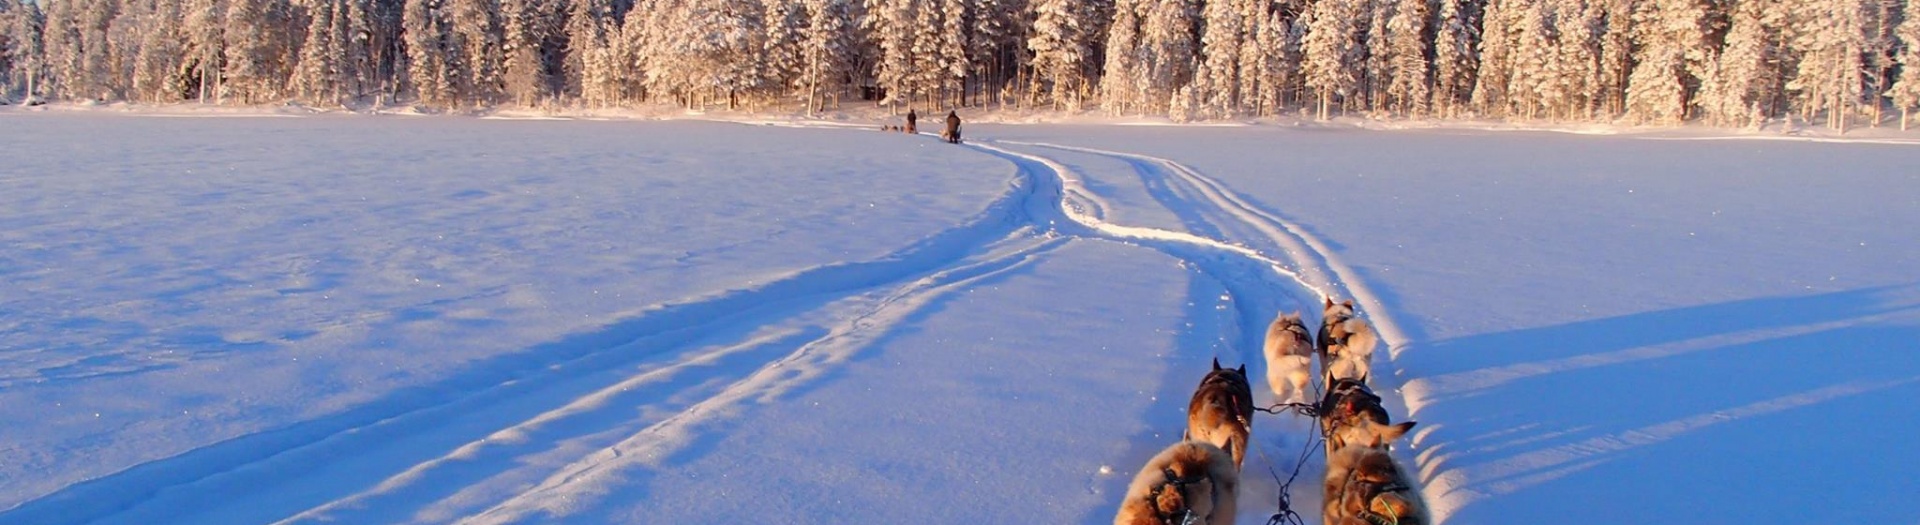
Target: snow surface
445	319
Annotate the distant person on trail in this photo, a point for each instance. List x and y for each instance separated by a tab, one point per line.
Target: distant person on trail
912	120
952	134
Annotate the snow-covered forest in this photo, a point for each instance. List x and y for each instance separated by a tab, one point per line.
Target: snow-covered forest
1722	62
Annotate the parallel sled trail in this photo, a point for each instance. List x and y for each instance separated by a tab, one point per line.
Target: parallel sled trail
1309	268
541	434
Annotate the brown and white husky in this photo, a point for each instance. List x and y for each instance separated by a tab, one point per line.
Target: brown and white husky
1351	414
1221	411
1364	487
1346	343
1191	482
1289	353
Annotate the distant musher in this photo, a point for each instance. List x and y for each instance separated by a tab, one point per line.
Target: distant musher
912	121
952	134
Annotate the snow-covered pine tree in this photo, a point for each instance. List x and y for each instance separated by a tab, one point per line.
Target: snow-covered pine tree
205	33
1499	41
586	68
786	27
361	59
316	76
1406	59
828	48
1829	42
929	73
255	50
1746	80
26	27
1061	48
1119	88
1616	55
77	43
1287	82
125	32
1531	87
1253	56
474	50
8	50
427	54
524	70
1454	59
738	32
1674	52
1877	58
706	51
1583	29
156	73
996	46
1905	91
631	42
1330	49
1217	85
1169	52
61	38
953	37
890	25
1375	74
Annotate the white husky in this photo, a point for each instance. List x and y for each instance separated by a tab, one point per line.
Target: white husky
1289	358
1346	344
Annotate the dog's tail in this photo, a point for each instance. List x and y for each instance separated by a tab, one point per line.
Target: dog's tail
1361	339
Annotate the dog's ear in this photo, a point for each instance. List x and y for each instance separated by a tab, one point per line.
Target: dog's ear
1216	363
1348	303
1243	369
1384	434
1329	301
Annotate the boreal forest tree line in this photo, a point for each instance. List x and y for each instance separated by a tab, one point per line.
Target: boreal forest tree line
1722	62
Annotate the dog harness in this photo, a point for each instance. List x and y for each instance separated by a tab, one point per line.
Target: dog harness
1372	491
1185	515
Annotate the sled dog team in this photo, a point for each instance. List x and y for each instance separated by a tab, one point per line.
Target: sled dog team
1195	481
951	133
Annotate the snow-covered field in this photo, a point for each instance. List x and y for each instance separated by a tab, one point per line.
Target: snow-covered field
435	319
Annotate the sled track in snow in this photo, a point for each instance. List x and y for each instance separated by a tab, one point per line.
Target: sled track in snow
464	447
528	435
1311	268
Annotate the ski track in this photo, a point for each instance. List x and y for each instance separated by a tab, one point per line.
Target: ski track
542	433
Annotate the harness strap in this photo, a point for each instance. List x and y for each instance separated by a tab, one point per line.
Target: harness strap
1178	483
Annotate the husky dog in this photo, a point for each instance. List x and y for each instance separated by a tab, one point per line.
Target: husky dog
1289	358
1346	343
1191	482
1364	487
1351	414
1221	411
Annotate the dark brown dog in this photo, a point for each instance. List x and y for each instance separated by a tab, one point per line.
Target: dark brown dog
1221	411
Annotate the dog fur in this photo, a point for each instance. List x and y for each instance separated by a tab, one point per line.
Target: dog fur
1346	343
1207	491
1351	414
1364	487
1289	352
1221	411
